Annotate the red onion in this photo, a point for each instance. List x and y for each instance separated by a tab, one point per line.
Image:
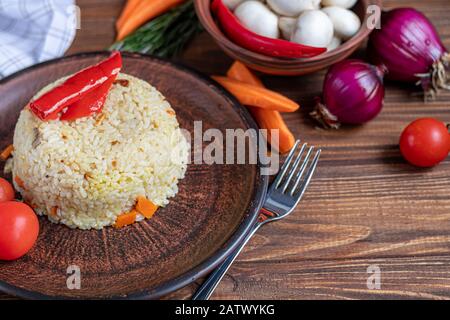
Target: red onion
410	48
353	93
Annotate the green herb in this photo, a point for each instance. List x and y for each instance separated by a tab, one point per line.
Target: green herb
164	36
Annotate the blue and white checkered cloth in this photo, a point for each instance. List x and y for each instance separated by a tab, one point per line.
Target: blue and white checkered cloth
32	31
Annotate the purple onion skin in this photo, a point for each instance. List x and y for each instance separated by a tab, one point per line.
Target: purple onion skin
407	44
354	91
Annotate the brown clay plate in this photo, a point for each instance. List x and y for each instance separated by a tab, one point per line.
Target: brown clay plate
213	210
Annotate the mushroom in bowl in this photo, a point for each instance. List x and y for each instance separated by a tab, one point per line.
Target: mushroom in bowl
336	50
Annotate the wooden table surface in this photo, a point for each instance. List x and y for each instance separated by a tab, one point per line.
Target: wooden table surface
365	206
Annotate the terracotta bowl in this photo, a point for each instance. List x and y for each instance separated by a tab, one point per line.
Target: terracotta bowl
279	66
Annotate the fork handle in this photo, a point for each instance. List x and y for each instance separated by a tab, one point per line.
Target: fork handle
208	287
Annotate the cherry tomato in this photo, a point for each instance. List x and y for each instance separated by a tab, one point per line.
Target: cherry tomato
6	191
425	142
19	229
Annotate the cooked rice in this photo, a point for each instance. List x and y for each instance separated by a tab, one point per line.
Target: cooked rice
93	169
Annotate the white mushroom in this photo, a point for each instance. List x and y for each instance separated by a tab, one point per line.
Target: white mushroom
292	8
258	18
346	4
313	28
346	23
232	4
335	43
287	26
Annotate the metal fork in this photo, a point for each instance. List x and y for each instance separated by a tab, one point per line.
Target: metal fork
283	196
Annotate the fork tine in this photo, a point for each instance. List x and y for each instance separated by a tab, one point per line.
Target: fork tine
294	169
308	177
302	170
285	166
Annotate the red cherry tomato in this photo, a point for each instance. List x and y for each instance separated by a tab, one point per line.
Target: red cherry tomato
6	191
19	229
425	142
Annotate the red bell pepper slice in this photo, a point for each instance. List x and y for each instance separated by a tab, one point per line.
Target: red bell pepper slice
92	103
49	105
256	43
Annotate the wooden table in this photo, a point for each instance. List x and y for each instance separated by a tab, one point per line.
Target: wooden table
365	206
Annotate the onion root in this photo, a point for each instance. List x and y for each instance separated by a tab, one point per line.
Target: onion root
437	79
322	115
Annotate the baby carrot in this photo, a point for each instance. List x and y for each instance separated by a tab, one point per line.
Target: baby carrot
266	119
254	96
145	11
127	12
272	120
239	71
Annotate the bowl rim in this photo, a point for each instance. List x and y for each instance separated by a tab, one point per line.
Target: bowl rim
207	20
202	269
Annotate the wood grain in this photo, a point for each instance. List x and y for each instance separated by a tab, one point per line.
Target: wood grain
365	205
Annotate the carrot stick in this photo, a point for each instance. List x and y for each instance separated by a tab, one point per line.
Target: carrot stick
6	153
145	207
145	11
254	96
272	120
125	219
266	119
127	12
240	72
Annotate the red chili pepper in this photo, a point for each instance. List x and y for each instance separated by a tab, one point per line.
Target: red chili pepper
256	43
50	104
92	103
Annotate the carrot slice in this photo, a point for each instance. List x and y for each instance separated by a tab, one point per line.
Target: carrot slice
145	11
146	207
6	153
54	211
127	12
254	96
19	182
125	219
266	119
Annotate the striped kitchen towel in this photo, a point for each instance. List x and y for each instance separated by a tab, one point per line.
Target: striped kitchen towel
32	31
